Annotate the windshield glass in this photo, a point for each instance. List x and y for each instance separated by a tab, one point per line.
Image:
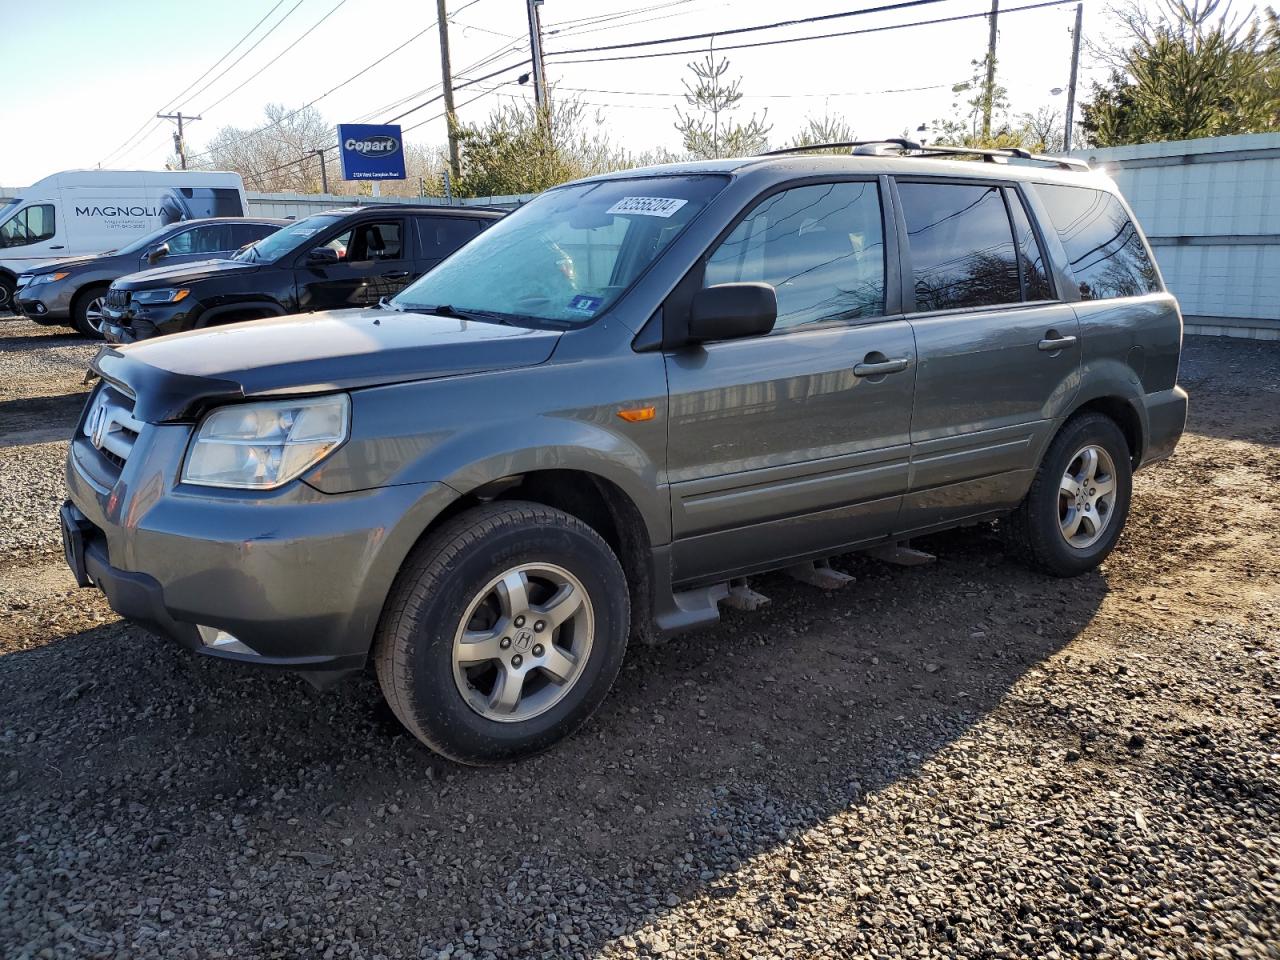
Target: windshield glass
153	237
567	255
276	245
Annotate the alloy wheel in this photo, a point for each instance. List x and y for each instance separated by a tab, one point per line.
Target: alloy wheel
1087	497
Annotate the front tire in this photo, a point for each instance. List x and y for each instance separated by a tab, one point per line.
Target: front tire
7	289
86	311
1076	509
503	632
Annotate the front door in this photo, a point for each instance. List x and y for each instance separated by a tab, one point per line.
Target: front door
998	353
373	263
794	443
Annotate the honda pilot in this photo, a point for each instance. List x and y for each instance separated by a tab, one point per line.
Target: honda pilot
596	420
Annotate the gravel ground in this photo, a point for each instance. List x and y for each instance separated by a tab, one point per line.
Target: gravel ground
963	759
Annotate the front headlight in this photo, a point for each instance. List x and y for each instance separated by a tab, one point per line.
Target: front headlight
45	278
259	446
163	295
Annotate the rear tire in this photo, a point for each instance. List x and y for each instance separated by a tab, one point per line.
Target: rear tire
503	632
86	311
1076	509
7	288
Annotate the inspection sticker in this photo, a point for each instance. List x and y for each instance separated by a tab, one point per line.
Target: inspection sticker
648	206
585	304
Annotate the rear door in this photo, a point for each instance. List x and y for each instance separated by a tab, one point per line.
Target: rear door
373	262
798	442
999	354
440	236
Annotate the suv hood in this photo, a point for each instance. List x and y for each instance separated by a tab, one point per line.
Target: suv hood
174	377
182	273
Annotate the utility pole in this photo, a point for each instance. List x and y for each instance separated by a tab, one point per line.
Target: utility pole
988	98
446	72
1071	88
535	49
324	172
179	141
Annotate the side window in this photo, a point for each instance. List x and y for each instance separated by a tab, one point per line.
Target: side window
821	247
29	225
181	244
961	244
440	236
242	233
376	241
1103	248
1034	277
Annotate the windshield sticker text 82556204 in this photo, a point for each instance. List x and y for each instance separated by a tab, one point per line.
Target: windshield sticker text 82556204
648	206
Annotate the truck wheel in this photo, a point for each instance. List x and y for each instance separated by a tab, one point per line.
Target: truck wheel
7	288
86	311
1076	508
503	632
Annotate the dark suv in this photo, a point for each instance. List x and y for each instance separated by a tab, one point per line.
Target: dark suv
351	257
72	290
593	421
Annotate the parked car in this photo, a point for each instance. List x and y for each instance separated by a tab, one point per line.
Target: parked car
343	258
598	415
81	212
73	290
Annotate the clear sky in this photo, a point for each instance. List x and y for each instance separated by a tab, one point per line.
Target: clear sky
82	77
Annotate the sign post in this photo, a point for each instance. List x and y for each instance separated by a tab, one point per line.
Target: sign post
371	151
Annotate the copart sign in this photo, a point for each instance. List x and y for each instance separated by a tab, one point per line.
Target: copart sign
371	151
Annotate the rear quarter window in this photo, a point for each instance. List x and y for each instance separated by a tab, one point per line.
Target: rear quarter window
1104	250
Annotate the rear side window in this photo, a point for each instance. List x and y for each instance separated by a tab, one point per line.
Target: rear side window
1103	248
961	244
440	236
821	247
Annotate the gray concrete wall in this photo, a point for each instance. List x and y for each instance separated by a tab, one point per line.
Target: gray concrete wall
1211	209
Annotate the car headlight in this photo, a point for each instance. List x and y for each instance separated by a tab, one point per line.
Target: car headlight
162	295
46	278
259	446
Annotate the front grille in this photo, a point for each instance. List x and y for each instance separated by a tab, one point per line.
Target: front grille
110	425
117	298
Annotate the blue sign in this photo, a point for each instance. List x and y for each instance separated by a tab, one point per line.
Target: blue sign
371	151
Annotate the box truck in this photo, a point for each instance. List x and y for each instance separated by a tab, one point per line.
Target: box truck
91	211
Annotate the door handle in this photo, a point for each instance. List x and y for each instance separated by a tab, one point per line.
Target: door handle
881	368
1054	344
58	247
395	274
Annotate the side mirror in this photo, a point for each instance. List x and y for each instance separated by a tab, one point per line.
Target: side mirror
729	311
319	256
158	253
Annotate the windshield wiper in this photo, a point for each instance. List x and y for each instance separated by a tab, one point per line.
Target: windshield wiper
448	310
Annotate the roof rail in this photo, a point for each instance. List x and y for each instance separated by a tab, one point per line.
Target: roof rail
910	148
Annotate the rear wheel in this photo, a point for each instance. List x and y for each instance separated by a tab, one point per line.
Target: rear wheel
1076	508
86	311
503	632
7	288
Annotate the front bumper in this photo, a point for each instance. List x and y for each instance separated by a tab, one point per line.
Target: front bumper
133	323
296	576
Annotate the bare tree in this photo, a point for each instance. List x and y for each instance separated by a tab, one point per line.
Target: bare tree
278	156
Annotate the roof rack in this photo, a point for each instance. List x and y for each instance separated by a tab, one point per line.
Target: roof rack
910	148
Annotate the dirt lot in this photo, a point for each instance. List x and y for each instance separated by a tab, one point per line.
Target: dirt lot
958	760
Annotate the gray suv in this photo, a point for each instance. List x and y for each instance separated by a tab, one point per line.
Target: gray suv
592	421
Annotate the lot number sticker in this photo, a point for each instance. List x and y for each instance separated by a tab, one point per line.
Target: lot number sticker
585	304
647	206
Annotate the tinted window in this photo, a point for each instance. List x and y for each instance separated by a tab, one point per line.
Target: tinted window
961	245
29	225
821	247
1035	280
1103	247
242	233
440	236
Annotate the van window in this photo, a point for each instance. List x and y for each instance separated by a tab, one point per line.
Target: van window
821	247
1103	248
961	245
29	225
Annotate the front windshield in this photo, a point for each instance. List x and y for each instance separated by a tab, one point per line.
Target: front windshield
153	237
567	255
274	246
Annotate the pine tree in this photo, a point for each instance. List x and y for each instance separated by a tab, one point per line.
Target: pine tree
708	129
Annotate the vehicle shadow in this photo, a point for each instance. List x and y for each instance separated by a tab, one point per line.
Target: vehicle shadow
40	419
710	751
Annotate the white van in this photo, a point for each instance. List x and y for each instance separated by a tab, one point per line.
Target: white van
80	212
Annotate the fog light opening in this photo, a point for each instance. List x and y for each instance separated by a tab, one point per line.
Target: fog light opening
215	638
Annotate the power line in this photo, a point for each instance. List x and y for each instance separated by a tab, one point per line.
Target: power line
155	126
756	96
717	34
821	36
271	63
